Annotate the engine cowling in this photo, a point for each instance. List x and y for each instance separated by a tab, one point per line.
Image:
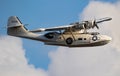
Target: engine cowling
90	24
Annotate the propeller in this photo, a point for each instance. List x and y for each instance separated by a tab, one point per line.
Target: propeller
94	24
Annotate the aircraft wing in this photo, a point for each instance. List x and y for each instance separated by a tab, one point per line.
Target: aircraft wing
52	28
103	19
58	28
77	25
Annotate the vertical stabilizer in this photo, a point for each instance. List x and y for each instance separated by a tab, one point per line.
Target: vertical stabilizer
15	27
14	21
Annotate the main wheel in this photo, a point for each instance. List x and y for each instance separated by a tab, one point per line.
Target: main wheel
69	40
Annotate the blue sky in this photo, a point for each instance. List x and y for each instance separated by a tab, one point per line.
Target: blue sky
41	13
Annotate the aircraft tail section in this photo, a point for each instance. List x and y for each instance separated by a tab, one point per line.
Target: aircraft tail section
15	27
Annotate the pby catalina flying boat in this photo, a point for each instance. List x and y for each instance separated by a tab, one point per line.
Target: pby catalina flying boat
72	35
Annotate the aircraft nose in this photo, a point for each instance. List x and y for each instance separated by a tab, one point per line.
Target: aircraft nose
108	38
105	39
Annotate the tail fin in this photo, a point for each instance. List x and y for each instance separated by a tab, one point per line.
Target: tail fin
15	27
13	21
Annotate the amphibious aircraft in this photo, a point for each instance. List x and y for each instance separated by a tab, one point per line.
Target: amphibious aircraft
72	35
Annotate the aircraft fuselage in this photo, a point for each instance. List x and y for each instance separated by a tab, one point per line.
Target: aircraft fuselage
70	37
78	40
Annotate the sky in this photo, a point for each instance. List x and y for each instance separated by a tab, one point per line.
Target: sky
28	57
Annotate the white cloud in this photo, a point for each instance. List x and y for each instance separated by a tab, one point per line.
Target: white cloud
99	61
95	61
13	61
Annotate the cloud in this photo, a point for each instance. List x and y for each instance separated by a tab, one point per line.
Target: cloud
83	62
13	61
94	61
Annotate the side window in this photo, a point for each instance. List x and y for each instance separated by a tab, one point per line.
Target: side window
79	38
85	39
82	39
